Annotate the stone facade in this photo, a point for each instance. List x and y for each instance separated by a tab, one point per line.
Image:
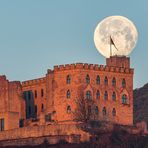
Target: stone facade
106	89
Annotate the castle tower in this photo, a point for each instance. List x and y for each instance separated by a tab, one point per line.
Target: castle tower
118	61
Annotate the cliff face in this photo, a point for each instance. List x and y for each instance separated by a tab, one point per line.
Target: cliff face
141	104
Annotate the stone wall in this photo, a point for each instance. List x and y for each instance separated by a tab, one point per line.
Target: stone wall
40	140
43	131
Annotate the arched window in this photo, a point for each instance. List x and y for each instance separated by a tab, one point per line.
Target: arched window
105	81
98	94
114	82
68	109
42	92
68	79
114	96
104	111
42	107
98	80
124	99
87	79
35	93
88	95
123	83
105	95
96	110
114	112
68	94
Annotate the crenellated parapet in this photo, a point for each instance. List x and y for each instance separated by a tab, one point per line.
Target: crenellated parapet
96	67
34	81
3	77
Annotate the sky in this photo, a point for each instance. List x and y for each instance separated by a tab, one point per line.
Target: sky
35	35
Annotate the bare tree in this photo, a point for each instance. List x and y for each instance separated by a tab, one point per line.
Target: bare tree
83	111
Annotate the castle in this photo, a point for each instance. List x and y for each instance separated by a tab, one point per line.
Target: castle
107	91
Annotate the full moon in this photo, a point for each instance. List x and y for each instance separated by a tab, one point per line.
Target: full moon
115	35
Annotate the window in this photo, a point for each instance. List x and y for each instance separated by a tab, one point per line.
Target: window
68	109
29	95
114	112
96	110
123	83
87	79
98	94
1	124
106	81
88	95
104	111
114	82
68	93
98	80
29	110
105	95
124	99
68	80
21	123
48	117
35	94
42	93
42	107
114	96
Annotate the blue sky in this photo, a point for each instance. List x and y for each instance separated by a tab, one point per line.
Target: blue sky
37	34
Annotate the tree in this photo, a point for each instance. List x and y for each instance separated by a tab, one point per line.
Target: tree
83	111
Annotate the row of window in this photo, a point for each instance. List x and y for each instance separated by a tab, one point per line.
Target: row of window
68	80
36	108
29	94
104	110
88	96
36	93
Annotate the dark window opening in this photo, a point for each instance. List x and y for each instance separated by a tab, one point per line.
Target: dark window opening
29	95
42	107
106	81
105	95
42	92
98	80
68	94
35	94
123	83
68	80
98	94
36	109
104	111
114	96
124	99
2	124
114	82
68	109
21	123
96	110
87	79
114	112
29	110
88	95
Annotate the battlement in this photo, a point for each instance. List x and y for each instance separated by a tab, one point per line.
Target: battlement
86	66
3	77
15	84
34	81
